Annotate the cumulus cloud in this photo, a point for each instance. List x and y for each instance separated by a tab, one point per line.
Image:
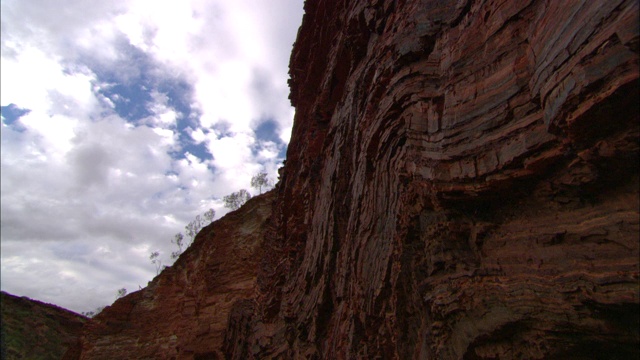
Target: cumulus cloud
122	121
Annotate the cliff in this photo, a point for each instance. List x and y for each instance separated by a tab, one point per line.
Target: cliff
35	330
461	183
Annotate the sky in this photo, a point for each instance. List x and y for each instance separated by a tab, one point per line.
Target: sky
124	120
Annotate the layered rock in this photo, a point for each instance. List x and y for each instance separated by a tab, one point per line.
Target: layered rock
462	182
34	330
183	312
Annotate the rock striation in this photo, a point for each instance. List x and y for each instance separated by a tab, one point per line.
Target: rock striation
461	183
35	330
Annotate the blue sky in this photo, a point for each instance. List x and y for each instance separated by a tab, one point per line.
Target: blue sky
122	121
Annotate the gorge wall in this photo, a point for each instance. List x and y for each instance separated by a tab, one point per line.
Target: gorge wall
461	183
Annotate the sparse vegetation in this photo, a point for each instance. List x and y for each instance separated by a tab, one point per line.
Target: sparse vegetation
154	257
209	215
93	313
178	240
234	200
121	293
192	229
260	180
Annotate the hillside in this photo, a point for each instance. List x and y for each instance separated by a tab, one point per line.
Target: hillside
35	330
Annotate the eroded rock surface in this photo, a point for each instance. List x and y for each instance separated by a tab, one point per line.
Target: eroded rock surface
462	182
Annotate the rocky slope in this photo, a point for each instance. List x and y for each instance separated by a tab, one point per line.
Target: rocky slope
35	330
461	183
183	312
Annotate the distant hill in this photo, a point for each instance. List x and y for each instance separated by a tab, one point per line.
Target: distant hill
35	330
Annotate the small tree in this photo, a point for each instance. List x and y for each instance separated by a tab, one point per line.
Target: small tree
234	200
121	293
154	257
260	180
178	240
93	313
208	216
193	227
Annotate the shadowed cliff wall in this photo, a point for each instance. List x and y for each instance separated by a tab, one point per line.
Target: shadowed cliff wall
462	182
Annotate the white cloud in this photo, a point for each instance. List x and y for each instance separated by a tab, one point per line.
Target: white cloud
88	193
35	78
268	151
163	115
230	152
197	135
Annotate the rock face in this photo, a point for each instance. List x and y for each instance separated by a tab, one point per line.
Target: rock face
461	183
35	330
183	312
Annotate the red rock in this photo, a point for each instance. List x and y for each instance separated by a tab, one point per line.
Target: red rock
514	234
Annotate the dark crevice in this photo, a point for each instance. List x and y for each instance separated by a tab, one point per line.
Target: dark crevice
465	10
598	122
413	271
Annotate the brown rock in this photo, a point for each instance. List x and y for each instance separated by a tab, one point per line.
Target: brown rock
462	182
